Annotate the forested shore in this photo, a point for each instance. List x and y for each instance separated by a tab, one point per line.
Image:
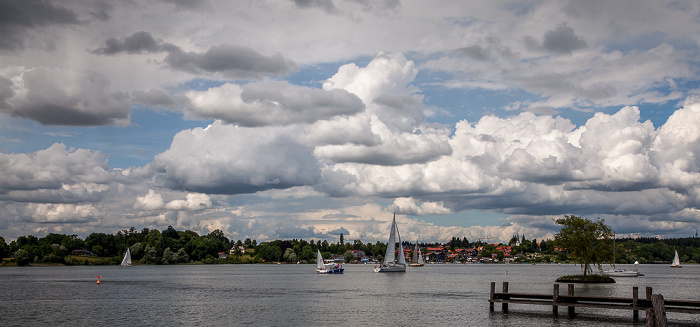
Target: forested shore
170	246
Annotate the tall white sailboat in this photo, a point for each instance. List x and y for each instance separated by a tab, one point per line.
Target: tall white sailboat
676	261
391	263
418	260
127	258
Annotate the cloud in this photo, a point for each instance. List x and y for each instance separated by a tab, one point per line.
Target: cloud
54	169
563	40
150	201
271	103
325	5
393	133
233	61
410	207
139	42
225	159
55	96
20	17
192	202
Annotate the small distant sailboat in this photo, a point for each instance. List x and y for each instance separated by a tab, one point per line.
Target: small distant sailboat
126	262
418	260
327	267
676	261
390	264
619	272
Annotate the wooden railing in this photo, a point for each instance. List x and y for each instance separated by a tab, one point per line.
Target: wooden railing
653	304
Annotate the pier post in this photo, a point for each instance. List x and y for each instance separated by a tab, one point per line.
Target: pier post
493	291
555	298
650	311
572	309
657	301
504	305
635	296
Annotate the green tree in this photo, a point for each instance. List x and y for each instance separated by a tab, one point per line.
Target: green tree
22	258
149	255
169	257
349	256
587	242
289	255
307	253
4	248
182	256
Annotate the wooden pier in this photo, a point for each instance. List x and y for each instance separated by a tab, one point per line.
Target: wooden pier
654	305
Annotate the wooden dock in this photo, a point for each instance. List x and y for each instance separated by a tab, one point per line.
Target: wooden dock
654	305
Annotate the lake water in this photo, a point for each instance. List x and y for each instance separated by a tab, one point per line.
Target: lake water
294	295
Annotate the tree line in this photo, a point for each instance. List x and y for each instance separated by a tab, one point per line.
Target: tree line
170	246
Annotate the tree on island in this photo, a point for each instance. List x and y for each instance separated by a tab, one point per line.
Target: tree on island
588	242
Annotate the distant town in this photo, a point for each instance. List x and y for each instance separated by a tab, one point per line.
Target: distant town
170	246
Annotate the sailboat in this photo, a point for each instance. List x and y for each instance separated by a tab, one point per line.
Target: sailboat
619	272
329	267
391	264
418	260
126	262
676	261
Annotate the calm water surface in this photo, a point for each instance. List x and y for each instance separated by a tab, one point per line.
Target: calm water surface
294	295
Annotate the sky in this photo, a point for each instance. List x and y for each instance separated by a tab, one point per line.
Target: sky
305	119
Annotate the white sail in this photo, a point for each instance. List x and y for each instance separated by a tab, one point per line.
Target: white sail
127	258
421	260
319	260
402	259
676	261
390	247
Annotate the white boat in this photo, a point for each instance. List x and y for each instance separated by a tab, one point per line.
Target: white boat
618	272
676	261
418	260
127	258
391	263
329	267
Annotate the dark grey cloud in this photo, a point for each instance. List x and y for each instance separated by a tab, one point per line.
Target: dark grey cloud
474	52
6	91
18	17
189	4
325	5
563	40
154	98
63	97
229	60
139	42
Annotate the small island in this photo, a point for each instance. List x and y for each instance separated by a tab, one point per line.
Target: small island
587	242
